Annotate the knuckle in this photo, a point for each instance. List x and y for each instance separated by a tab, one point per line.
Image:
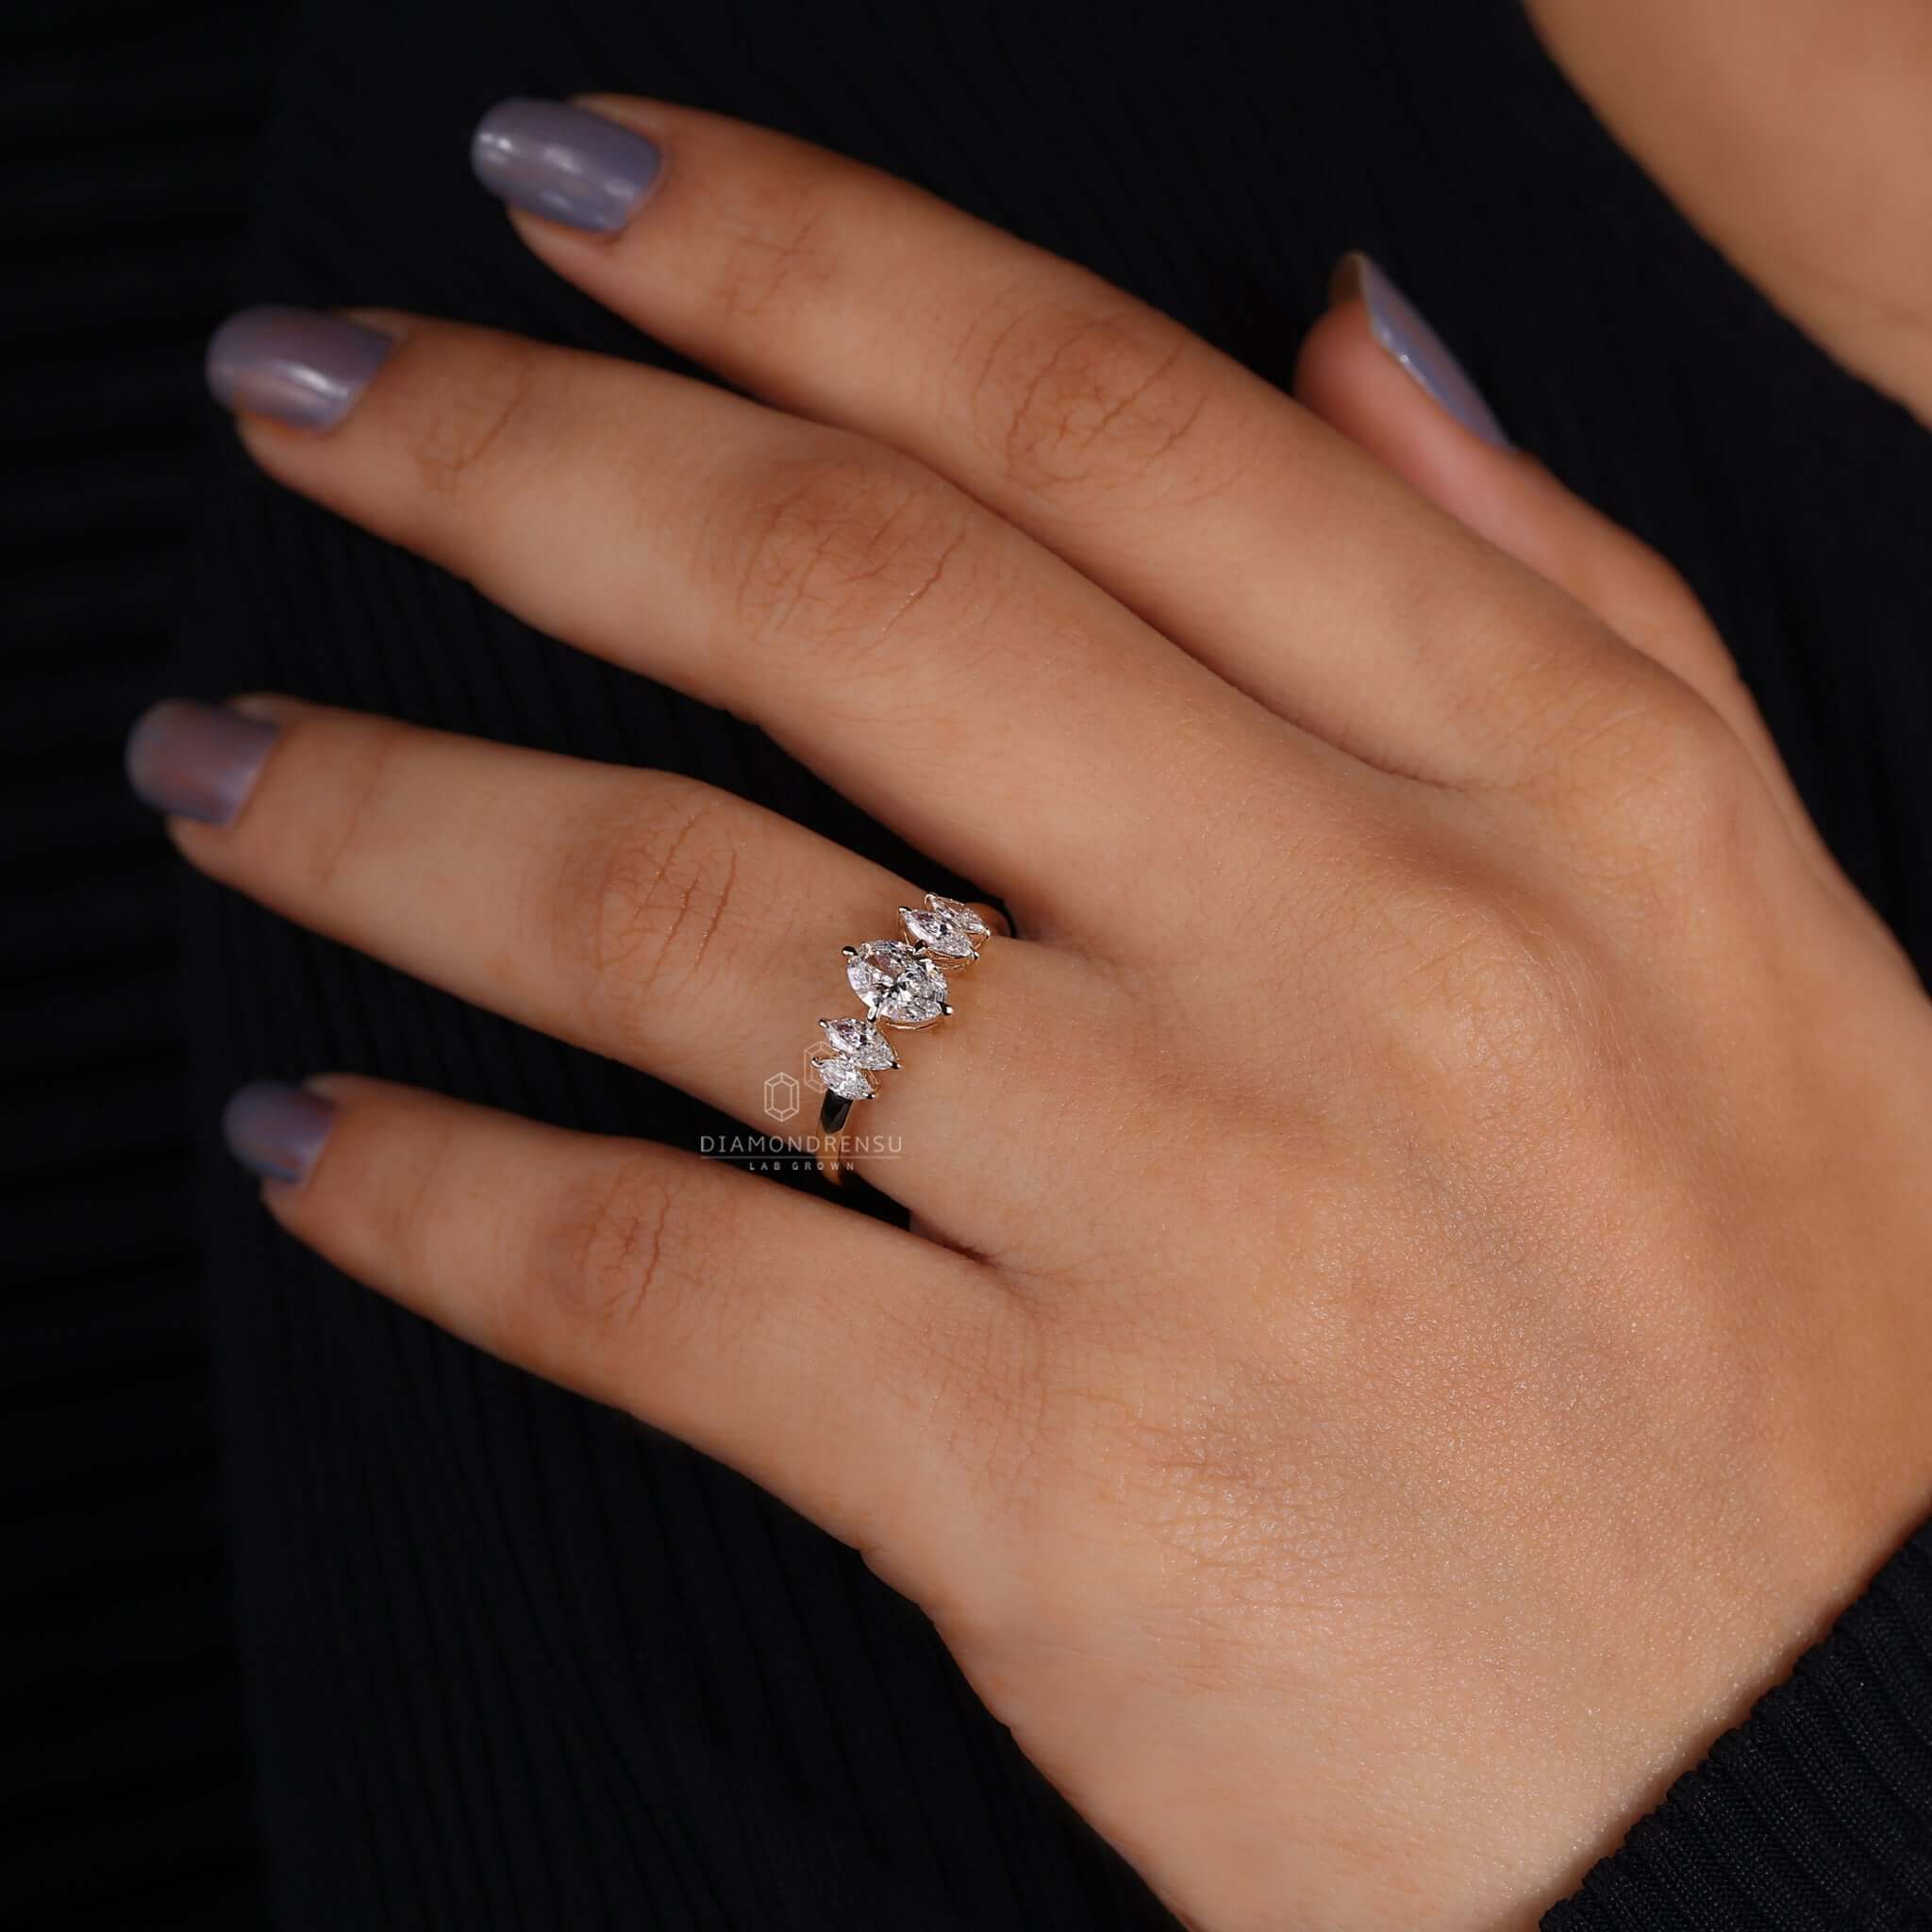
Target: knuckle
1666	604
1083	397
837	550
779	249
645	906
1671	794
615	1249
405	1201
360	765
1471	992
470	420
1658	611
1489	1003
1644	785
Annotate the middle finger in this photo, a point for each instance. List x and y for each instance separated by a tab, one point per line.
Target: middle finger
873	618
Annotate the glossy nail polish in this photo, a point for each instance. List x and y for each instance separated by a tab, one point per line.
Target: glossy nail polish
196	761
275	1130
301	367
565	164
1403	333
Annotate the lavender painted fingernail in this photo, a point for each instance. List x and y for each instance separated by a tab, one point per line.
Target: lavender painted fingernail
301	367
565	164
276	1130
197	762
1400	329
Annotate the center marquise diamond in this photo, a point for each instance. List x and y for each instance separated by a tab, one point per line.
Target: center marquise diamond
904	988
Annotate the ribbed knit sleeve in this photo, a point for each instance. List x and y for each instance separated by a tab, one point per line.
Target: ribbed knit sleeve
1815	1815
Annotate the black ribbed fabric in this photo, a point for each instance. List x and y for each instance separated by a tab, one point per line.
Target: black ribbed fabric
127	136
517	1663
1816	1813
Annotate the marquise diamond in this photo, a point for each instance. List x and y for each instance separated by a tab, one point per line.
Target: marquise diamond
901	987
962	912
839	1074
860	1041
945	927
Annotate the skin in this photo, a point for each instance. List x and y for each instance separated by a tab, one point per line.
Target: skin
1795	134
1398	1240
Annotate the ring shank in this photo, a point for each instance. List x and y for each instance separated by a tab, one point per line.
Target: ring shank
834	1111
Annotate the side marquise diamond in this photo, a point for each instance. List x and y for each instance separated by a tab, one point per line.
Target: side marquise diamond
856	1048
945	927
839	1074
860	1041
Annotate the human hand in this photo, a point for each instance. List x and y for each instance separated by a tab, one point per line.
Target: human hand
1418	1307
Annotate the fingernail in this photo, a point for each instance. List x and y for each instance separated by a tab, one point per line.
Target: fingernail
1398	326
301	367
199	761
276	1130
564	163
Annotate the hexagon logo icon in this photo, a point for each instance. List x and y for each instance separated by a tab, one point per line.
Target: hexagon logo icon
781	1096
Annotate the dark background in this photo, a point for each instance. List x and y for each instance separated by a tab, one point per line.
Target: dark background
129	135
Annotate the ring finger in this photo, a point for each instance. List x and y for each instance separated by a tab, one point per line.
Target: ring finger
639	915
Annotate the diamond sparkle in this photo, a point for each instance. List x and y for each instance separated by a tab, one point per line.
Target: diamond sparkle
945	927
839	1074
901	987
860	1041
